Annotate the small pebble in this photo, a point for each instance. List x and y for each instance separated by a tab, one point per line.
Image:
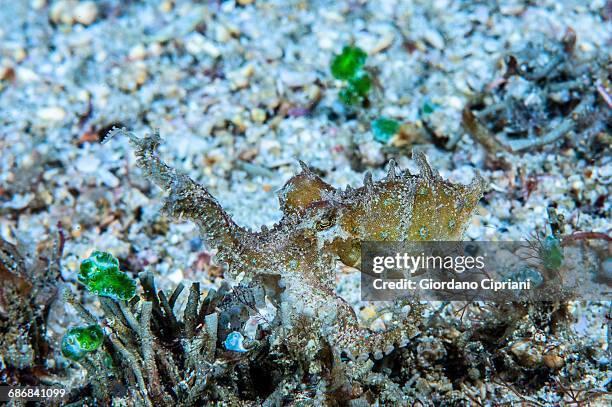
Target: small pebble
88	164
176	276
511	9
61	12
385	42
137	52
166	6
258	115
6	73
19	54
222	34
197	44
553	361
434	38
295	79
38	4
367	313
235	342
195	244
526	353
240	77
52	113
86	12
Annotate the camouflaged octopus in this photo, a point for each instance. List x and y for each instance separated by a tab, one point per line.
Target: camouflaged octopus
321	225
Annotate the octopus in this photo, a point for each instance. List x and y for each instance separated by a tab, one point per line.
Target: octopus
321	225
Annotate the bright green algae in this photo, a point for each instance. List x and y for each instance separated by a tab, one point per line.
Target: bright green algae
348	96
79	341
360	84
384	128
346	65
428	108
101	275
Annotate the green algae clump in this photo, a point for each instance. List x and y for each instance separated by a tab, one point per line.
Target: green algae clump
428	108
346	65
101	275
384	129
348	96
360	84
79	341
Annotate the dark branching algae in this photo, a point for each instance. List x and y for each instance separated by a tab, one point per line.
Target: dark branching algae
561	88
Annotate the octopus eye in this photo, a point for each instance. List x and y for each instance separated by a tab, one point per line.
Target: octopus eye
323	224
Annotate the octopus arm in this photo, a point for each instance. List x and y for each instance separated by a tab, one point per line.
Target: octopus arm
186	198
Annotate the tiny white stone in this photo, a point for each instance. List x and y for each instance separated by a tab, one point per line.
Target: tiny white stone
196	44
51	113
38	4
108	178
297	79
19	201
138	51
434	38
258	115
87	164
85	12
176	276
